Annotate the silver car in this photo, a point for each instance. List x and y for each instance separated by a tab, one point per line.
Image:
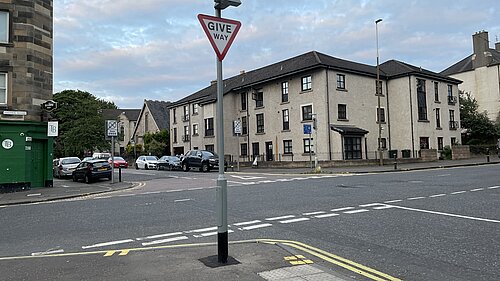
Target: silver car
65	166
146	162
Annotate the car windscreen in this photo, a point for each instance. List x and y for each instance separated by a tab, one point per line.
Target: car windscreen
70	161
151	158
119	159
209	154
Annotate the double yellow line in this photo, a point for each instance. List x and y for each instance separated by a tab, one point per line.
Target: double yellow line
334	259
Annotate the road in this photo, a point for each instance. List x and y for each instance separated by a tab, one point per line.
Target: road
441	224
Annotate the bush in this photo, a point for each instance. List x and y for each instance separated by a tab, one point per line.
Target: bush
446	153
483	149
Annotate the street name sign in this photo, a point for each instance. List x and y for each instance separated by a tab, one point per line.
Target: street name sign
220	32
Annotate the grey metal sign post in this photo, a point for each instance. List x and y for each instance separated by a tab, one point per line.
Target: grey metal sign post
112	131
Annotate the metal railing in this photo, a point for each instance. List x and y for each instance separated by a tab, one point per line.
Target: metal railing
453	125
452	100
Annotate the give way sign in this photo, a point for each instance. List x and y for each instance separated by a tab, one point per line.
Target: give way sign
220	32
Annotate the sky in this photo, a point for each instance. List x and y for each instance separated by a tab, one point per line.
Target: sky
126	51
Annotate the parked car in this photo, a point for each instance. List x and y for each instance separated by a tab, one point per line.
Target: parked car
203	159
169	162
101	155
119	162
65	166
146	162
92	170
87	158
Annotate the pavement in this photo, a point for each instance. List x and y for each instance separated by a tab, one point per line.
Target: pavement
262	259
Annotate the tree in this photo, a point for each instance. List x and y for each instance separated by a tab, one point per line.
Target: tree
479	128
157	143
81	125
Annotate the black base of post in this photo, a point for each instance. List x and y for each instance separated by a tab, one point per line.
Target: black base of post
119	174
222	247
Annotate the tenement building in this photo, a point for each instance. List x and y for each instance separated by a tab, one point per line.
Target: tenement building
25	84
316	105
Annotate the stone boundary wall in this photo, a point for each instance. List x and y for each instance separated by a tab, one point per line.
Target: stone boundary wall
460	152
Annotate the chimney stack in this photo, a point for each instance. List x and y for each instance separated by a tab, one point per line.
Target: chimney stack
497	46
480	44
213	82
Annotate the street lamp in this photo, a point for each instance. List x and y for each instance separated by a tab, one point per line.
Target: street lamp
378	90
221	190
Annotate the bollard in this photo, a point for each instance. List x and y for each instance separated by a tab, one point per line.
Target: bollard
488	155
395	164
119	174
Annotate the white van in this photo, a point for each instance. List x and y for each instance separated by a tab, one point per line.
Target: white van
101	155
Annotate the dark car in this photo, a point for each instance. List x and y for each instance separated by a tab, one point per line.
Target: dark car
203	159
168	162
92	170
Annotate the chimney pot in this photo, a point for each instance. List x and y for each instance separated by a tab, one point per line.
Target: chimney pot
213	82
242	71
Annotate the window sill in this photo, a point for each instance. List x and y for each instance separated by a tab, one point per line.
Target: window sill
194	114
259	107
439	128
382	123
307	121
306	91
307	153
286	131
380	95
436	101
342	90
343	120
424	121
195	135
285	102
243	110
261	133
209	137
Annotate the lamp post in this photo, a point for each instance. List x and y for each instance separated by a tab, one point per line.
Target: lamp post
378	90
221	196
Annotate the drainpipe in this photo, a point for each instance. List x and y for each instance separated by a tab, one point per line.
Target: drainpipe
411	119
388	114
328	116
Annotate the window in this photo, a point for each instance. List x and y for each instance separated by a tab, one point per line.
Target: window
284	92
308	146
255	149
286	120
185	117
209	127
352	148
244	149
3	88
453	123
440	143
450	90
341	81
287	146
244	125
307	113
453	141
378	88
451	99
421	100
4	27
146	122
195	108
195	129
452	115
259	99
174	119
186	130
381	115
243	101
438	118
175	135
306	83
436	91
186	137
121	136
424	143
342	112
210	147
260	123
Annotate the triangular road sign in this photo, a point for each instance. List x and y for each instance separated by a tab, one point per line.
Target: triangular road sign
220	32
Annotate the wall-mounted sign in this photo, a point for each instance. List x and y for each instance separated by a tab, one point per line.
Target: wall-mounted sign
53	129
17	113
7	143
49	105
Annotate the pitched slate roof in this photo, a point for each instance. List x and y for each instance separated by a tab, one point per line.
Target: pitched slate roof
466	64
159	111
303	63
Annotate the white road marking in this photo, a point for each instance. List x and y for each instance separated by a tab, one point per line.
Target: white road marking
246	223
50	252
393	201
477	189
458	192
383	207
266	181
280	218
415	198
371	204
125	195
494	187
202	230
247	177
182	200
444	175
326	216
158	236
173	190
313	213
299	179
342	209
33	194
437	195
165	240
108	244
315	177
356	211
295	220
415	181
210	234
446	214
256	226
283	180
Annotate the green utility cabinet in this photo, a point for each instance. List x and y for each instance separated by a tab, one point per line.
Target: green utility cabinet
25	155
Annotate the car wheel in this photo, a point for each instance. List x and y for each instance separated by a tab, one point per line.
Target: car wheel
136	166
87	179
225	168
204	167
74	178
146	167
170	167
185	167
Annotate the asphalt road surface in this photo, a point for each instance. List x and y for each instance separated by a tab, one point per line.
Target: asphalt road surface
441	224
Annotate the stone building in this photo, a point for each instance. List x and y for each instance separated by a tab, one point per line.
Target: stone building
26	38
419	110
